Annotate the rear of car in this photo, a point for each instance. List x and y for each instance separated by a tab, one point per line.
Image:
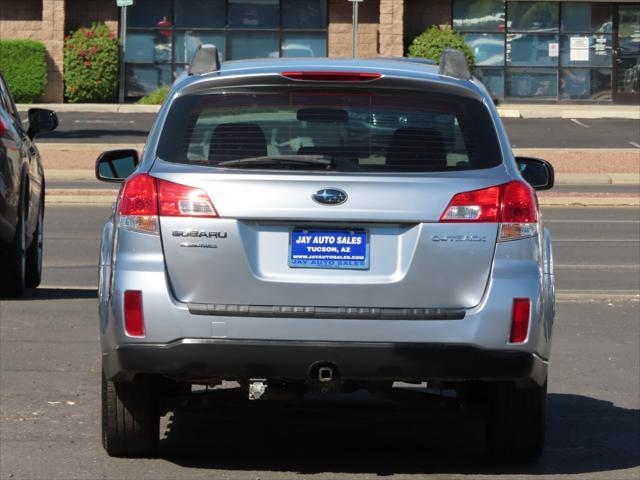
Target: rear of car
328	225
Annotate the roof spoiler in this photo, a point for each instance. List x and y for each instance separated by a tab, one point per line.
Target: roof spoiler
205	60
453	63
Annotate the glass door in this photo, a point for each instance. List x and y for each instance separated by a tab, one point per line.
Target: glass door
627	54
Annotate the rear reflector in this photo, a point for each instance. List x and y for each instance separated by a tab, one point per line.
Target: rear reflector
520	320
133	315
332	76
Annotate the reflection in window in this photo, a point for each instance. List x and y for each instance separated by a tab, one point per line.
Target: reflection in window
254	14
150	46
304	13
149	13
298	44
586	17
535	83
144	79
493	79
196	13
254	45
526	49
478	15
599	53
585	84
188	41
532	16
488	49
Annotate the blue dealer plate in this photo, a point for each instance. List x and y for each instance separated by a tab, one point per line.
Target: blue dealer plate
329	249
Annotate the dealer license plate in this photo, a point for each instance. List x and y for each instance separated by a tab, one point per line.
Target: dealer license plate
347	249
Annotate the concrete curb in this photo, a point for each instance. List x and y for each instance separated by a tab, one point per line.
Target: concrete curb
629	112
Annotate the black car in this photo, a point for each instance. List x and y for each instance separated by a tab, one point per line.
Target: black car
21	195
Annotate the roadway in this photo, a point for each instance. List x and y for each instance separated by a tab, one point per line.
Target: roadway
130	128
50	364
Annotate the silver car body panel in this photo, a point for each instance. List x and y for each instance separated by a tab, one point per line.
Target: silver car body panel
411	267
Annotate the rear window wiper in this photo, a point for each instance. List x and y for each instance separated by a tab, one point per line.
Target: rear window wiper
279	160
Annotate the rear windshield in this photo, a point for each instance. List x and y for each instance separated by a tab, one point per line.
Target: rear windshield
339	130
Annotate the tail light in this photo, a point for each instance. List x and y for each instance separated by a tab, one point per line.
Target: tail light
133	315
144	198
520	320
512	204
332	76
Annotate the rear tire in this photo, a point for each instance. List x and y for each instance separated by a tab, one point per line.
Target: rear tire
13	278
35	252
130	419
516	422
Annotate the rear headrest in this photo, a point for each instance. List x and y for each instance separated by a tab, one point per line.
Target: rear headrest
233	141
417	147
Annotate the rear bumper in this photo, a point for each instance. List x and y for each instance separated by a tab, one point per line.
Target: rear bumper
295	360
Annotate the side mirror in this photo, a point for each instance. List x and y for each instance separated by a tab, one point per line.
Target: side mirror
538	173
116	165
41	120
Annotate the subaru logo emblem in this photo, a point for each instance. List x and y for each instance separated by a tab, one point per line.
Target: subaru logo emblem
330	196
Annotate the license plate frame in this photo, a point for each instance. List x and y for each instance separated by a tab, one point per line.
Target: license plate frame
300	256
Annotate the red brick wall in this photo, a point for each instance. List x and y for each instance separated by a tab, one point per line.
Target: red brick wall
41	20
340	28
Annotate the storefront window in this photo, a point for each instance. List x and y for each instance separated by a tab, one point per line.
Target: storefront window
254	45
478	15
304	14
586	50
254	13
585	83
540	50
199	14
525	49
162	35
532	16
298	44
488	49
187	42
149	14
532	83
587	17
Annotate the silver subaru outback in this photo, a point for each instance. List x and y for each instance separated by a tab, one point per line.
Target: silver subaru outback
324	225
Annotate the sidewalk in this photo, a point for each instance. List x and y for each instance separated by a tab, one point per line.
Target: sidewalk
506	110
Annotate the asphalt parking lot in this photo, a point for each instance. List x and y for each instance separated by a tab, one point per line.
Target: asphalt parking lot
49	384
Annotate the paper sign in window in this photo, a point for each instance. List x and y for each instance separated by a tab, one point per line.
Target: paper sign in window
579	49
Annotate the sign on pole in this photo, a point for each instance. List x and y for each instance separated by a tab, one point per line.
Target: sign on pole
124	3
354	27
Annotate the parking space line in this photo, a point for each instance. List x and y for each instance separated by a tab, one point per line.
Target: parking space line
596	240
580	220
578	122
635	144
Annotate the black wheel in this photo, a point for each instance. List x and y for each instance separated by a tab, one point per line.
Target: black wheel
13	279
35	252
516	422
130	419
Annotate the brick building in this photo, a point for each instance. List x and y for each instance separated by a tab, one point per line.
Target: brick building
525	50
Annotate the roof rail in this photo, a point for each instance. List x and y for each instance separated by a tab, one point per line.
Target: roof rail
205	60
423	61
453	63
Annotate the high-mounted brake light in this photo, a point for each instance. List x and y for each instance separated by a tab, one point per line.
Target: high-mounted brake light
332	76
144	198
133	314
520	320
512	204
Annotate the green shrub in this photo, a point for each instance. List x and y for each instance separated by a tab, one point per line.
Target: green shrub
24	66
154	98
432	42
91	65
